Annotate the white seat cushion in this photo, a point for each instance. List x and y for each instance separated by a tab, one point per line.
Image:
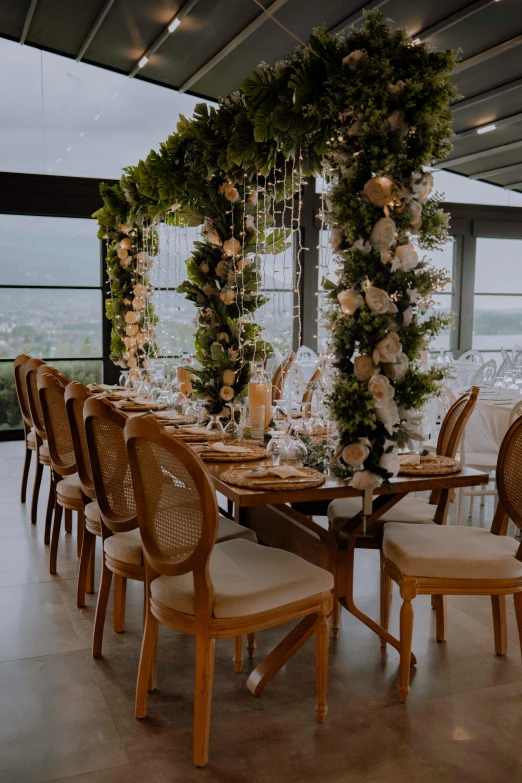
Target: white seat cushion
408	509
92	518
228	530
69	487
450	552
248	578
126	547
31	443
483	459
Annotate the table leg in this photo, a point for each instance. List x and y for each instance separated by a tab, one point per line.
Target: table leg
281	654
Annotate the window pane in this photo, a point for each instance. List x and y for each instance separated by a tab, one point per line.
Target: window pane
442	259
442	340
276	317
49	251
10	416
50	322
498	267
175	327
497	322
80	370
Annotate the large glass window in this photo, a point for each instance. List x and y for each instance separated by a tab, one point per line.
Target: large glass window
443	259
50	300
497	317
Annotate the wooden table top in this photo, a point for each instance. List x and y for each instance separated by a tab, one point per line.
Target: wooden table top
335	487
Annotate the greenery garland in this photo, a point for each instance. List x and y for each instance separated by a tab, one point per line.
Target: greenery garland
129	307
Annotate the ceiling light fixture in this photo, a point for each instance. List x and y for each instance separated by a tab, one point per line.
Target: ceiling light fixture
416	41
486	128
144	60
172	26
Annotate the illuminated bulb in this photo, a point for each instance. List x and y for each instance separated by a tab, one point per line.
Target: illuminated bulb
172	26
486	128
416	41
144	60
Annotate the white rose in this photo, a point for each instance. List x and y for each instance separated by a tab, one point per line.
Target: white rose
131	329
356	129
232	354
378	301
232	247
415	208
250	223
407	257
252	198
138	302
396	89
125	229
125	243
219	268
228	297
130	317
223	337
422	184
388	414
144	260
132	361
355	453
407	315
122	253
387	349
363	367
349	300
413	294
384	234
124	262
139	289
229	192
378	191
241	264
226	393
363	246
390	462
229	376
335	238
381	389
365	479
398	124
208	290
397	370
353	58
205	268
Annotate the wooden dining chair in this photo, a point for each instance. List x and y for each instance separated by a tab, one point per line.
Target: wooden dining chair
209	591
40	439
76	395
413	510
122	548
442	560
19	369
67	487
312	384
279	377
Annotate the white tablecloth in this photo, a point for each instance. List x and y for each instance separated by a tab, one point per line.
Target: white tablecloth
487	426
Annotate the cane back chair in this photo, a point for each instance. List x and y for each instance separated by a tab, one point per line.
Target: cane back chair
442	560
40	438
30	436
312	384
279	377
202	589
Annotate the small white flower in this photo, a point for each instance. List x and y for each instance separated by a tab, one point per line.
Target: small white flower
390	462
407	257
415	208
350	301
413	294
355	454
365	479
227	393
388	414
384	234
363	246
422	184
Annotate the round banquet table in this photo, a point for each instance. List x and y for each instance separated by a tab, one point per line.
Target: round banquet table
487	426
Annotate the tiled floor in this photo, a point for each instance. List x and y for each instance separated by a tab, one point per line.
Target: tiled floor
67	717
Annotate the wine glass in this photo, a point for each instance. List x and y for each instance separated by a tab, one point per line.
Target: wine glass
296	450
214	426
276	449
234	429
123	380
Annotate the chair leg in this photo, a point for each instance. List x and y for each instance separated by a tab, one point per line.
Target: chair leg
251	644
205	652
471	504
322	638
335	622
85	559
68	520
80	529
25	475
386	587
50	508
406	636
101	610
89	584
148	645
238	653
518	613
58	510
36	491
439	604
120	593
498	604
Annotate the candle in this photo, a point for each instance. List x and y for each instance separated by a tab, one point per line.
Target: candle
184	380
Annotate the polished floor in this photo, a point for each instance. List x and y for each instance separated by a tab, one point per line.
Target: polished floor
67	717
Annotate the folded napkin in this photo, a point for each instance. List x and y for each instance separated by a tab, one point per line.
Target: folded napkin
410	459
226	449
282	471
195	430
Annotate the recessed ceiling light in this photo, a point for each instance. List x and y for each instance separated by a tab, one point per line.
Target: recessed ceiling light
144	60
486	128
58	160
172	26
82	134
68	149
96	117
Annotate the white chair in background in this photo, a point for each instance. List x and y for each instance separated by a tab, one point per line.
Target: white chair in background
473	357
516	349
485	375
505	367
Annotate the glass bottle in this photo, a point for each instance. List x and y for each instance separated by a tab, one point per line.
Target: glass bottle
184	373
259	396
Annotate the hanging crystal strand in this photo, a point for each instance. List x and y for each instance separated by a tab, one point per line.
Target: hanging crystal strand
287	205
300	248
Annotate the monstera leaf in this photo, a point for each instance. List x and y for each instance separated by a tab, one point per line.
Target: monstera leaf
258	87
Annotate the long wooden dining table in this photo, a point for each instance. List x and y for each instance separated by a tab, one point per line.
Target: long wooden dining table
284	519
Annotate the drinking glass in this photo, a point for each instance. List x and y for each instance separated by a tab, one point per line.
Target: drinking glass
214	426
276	449
296	451
234	428
123	380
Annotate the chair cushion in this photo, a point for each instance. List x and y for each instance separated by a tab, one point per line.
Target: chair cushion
31	444
70	487
450	552
92	518
248	578
229	530
408	509
126	547
483	459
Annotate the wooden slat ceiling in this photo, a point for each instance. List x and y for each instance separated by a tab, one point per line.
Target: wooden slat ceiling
218	42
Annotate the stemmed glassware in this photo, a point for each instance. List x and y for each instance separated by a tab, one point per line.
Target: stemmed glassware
234	429
214	426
